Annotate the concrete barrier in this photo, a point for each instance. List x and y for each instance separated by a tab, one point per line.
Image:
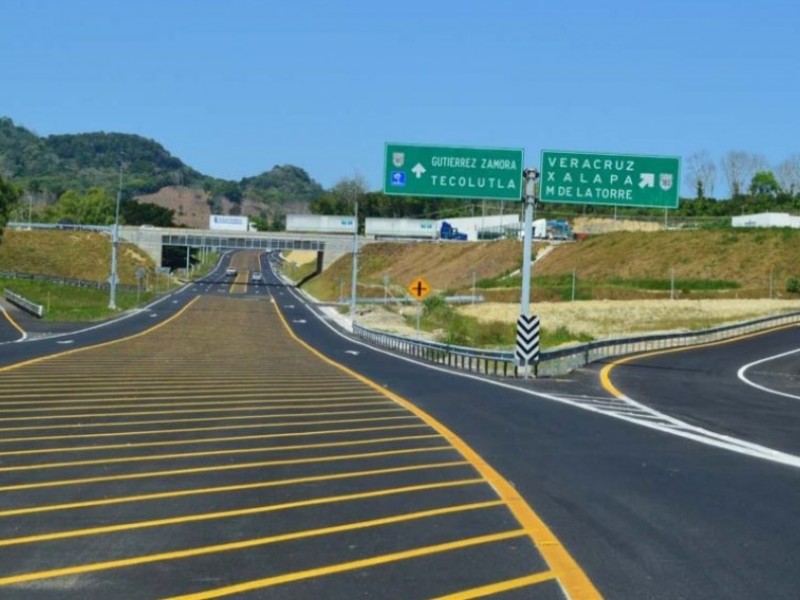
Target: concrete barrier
25	304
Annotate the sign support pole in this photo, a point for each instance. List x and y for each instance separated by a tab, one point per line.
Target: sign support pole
531	176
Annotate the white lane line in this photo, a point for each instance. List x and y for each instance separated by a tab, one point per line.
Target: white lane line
741	375
656	420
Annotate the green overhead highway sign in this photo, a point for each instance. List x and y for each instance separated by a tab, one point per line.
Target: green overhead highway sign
613	179
453	172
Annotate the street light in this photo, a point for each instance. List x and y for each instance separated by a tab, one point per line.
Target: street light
354	277
112	297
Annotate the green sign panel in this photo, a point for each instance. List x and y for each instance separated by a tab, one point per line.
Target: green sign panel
615	179
453	172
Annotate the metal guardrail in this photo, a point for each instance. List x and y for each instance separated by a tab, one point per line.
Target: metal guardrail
84	283
25	304
561	361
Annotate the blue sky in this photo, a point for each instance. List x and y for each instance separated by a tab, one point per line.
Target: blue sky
235	87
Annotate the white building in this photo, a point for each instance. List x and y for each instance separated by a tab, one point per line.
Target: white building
766	220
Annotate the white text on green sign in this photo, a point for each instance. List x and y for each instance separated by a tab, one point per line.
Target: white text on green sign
613	179
453	172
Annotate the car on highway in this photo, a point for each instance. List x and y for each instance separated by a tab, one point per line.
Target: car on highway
256	277
231	272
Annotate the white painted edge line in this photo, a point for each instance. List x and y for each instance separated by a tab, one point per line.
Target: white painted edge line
677	427
741	375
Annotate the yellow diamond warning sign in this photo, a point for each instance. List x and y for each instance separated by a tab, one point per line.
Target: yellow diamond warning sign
419	288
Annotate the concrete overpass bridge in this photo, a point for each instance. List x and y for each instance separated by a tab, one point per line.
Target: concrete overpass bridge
153	239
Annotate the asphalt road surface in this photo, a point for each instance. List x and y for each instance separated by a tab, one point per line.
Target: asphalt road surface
218	454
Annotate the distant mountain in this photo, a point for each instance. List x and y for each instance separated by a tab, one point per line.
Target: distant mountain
48	166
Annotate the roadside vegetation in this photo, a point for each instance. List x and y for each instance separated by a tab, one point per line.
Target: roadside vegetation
74	304
659	281
457	328
84	257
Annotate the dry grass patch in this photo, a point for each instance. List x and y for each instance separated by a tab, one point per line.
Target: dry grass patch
301	257
604	319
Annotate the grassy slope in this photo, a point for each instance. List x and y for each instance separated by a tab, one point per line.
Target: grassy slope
73	254
743	256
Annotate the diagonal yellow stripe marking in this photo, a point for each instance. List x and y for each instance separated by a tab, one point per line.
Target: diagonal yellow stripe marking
234	467
567	571
231	452
502	586
36	361
221	399
196	441
249	418
354	565
227	488
253	411
204	550
227	514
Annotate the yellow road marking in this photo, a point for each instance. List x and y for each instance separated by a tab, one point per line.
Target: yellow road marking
141	402
230	452
252	543
502	586
227	488
264	390
250	409
354	565
567	571
203	420
234	467
14	324
128	446
605	373
35	361
227	514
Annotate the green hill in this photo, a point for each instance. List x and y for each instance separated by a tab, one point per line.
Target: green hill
46	167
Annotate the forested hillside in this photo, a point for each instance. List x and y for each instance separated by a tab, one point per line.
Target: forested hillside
47	168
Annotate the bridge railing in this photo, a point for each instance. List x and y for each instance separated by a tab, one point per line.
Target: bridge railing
502	363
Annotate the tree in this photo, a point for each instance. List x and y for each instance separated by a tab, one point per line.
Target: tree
8	199
96	207
764	184
146	213
701	174
739	167
788	175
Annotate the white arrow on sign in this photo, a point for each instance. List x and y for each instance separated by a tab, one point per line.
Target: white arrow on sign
418	170
647	180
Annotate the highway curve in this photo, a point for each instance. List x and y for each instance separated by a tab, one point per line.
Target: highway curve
648	511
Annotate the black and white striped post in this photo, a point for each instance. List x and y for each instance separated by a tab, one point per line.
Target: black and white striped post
527	348
525	323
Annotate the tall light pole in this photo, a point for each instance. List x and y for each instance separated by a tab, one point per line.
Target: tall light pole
112	297
354	278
